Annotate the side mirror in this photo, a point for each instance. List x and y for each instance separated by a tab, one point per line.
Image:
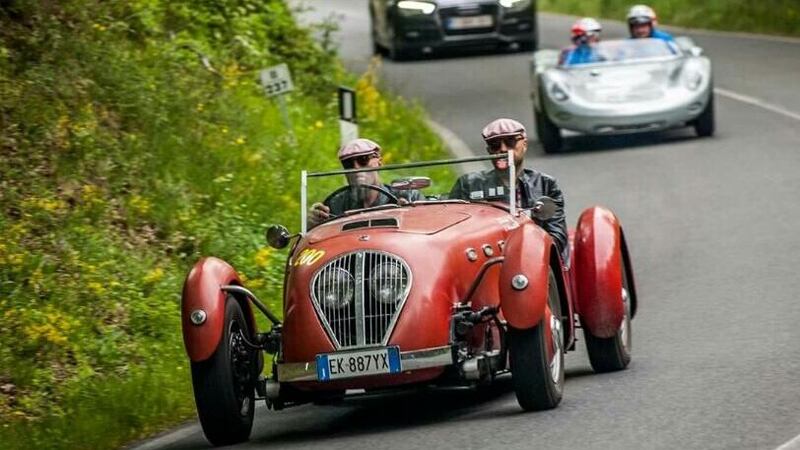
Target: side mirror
544	208
696	51
406	183
278	236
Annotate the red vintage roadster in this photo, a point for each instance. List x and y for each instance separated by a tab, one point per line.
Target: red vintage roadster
443	292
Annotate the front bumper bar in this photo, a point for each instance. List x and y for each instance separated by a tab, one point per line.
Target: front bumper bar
412	360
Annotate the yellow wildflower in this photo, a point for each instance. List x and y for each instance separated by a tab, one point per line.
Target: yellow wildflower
262	257
96	288
154	275
319	124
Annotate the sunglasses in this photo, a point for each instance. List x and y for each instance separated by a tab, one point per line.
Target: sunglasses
362	160
495	144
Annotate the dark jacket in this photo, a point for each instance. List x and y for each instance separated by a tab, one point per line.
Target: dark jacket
488	185
354	198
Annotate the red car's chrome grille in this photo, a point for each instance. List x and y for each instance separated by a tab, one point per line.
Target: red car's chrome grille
359	295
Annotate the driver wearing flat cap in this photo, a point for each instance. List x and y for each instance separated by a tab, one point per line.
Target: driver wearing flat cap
359	154
508	135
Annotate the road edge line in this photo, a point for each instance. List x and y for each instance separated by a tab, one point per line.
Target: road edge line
457	147
757	102
794	444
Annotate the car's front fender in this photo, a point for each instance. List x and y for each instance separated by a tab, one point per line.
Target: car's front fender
527	253
201	291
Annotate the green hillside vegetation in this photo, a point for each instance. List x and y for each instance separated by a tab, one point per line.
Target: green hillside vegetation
134	139
765	16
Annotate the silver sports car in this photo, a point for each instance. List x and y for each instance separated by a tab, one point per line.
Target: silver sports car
632	85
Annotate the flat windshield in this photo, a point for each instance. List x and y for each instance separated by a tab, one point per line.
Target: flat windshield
394	185
626	50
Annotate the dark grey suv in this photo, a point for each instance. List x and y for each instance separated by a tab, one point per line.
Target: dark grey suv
402	28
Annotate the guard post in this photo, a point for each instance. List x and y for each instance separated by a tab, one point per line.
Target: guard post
348	119
277	81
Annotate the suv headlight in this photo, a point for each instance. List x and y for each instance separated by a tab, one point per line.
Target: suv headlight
388	283
335	288
410	8
515	4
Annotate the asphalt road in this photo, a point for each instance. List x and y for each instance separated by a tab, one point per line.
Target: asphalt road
712	225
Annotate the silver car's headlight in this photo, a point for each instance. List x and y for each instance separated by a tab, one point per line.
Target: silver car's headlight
692	79
515	4
558	93
388	282
335	288
410	8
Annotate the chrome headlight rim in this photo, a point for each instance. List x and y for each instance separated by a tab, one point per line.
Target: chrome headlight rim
398	284
346	284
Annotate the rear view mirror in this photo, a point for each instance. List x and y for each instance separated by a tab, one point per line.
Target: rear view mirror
406	183
544	208
278	236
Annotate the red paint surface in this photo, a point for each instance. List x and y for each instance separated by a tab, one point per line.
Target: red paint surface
201	290
598	275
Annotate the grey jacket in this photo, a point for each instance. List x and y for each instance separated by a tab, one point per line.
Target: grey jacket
488	185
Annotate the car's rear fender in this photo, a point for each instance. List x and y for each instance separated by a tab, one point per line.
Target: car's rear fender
527	253
201	291
598	265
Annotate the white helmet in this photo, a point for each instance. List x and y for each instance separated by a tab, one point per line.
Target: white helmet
641	14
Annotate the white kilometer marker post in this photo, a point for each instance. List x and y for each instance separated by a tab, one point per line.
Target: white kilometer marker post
348	119
277	81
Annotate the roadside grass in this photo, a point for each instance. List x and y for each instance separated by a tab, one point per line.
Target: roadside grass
780	17
133	141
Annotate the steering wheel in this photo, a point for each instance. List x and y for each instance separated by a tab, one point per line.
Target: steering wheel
392	198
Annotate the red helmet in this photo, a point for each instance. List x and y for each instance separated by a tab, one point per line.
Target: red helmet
584	29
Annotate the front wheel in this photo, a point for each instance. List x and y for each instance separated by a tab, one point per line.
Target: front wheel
224	385
548	132
705	125
537	357
614	353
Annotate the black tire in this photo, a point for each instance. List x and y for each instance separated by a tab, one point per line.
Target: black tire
548	133
614	353
536	371
398	54
705	124
224	385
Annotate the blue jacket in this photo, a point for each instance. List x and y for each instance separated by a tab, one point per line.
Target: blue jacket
582	54
663	35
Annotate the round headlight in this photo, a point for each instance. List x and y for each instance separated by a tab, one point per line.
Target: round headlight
335	288
388	282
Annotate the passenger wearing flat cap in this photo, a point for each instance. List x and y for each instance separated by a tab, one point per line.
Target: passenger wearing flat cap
508	135
359	154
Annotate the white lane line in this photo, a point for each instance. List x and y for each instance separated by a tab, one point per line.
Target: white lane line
794	444
757	102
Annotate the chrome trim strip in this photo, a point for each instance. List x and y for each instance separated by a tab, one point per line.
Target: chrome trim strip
361	339
413	360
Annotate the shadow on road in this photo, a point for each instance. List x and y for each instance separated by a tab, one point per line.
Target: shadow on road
579	143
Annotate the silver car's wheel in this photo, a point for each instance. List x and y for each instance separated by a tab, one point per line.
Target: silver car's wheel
548	133
705	124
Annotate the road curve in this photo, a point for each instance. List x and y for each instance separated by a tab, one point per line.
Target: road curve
712	224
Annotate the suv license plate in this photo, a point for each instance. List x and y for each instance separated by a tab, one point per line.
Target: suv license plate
465	23
333	366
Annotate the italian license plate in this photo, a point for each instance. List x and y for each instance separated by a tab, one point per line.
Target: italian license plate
333	366
463	23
